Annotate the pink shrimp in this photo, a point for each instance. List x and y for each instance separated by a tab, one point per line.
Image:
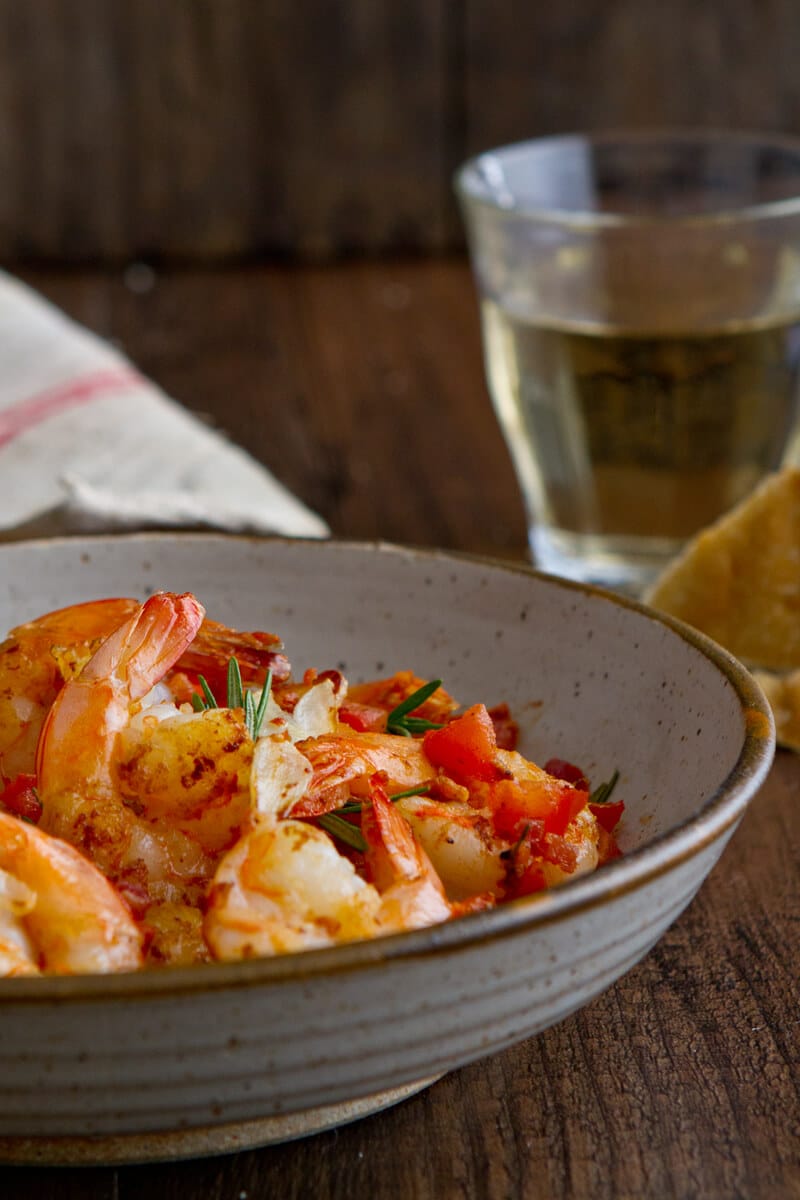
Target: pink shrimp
343	764
91	709
35	659
412	894
214	646
58	913
40	656
75	757
286	887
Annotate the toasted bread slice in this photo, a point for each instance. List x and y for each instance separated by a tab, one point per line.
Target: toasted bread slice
783	694
739	580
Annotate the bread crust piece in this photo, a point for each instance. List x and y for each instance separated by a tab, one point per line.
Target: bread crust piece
783	694
738	581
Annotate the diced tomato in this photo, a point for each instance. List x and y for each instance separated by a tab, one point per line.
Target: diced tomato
560	852
607	847
550	801
608	815
561	769
364	718
506	729
526	882
466	747
19	797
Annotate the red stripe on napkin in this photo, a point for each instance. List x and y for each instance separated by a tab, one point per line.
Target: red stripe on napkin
25	414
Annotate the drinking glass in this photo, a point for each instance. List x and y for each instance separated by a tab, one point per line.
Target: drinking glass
640	309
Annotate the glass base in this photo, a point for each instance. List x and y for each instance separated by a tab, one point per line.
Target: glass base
622	564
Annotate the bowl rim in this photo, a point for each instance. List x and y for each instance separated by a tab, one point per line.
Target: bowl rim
720	813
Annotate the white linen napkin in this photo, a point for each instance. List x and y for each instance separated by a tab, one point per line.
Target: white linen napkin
87	444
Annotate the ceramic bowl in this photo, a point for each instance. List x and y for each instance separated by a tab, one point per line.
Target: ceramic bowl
190	1061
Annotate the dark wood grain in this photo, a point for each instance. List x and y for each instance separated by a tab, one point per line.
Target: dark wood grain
683	1079
533	69
195	130
198	129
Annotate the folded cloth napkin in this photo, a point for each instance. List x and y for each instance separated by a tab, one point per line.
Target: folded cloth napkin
87	444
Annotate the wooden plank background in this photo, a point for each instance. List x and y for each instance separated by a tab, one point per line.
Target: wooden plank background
210	130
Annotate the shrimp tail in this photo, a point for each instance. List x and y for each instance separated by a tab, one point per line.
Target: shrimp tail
146	646
394	854
90	709
412	894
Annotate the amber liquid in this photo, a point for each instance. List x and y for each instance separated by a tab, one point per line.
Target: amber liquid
626	443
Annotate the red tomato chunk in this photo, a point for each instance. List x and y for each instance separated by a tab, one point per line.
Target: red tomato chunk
466	747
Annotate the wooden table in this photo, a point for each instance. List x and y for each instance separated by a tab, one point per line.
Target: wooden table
361	387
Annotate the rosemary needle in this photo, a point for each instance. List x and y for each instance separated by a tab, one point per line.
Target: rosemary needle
343	830
237	698
399	720
602	793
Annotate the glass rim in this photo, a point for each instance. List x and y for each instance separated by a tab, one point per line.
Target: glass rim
479	195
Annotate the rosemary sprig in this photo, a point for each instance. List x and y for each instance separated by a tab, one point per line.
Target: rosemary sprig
343	830
602	793
237	698
353	806
254	713
400	721
235	689
421	789
201	703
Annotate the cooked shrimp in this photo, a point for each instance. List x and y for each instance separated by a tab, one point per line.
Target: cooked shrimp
17	951
581	837
202	773
58	913
412	894
343	763
461	843
214	646
285	887
189	771
76	764
75	749
468	849
37	658
575	851
469	855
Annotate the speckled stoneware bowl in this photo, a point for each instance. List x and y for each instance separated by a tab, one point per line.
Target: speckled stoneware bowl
213	1058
